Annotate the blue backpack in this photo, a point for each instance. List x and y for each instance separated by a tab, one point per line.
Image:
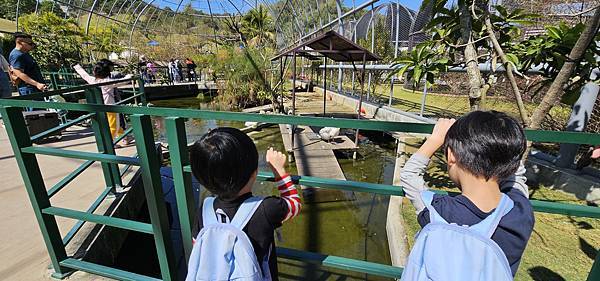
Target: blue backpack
447	251
222	251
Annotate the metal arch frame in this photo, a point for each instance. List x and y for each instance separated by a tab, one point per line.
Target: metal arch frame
136	21
163	19
17	15
212	19
173	21
79	10
89	19
150	16
98	18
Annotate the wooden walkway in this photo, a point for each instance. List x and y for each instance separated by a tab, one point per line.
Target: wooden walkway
315	158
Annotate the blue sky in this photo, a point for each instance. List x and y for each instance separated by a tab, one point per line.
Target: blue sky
224	5
413	4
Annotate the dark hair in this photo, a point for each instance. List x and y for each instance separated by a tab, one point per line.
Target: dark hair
488	144
107	62
21	35
223	161
102	70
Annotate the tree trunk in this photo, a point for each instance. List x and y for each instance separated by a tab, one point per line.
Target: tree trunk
509	70
556	88
470	54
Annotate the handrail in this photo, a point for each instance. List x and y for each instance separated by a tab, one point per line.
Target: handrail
62	127
142	129
70	90
389	126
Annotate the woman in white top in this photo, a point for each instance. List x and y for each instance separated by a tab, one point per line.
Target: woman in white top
102	74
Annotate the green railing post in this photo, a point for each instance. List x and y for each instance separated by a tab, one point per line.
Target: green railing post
142	91
53	81
595	271
34	184
104	140
183	181
150	167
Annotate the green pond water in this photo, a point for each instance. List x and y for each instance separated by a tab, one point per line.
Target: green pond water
352	228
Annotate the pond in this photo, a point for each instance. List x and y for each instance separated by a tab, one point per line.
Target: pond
352	228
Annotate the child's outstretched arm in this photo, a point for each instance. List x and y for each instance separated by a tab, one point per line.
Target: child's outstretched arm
287	190
411	176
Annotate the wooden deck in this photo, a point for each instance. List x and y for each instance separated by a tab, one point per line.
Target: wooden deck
315	158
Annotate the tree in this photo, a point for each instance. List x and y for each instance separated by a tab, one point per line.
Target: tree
575	56
257	24
8	8
50	6
60	39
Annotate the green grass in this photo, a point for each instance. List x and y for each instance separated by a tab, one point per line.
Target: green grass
560	247
443	105
460	104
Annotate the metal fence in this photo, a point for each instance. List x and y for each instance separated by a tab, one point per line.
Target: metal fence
146	158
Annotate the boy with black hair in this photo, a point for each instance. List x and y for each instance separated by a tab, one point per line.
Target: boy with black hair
225	162
483	151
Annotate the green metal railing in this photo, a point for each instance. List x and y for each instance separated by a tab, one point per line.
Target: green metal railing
148	162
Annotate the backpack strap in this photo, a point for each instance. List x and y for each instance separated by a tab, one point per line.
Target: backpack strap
245	212
434	216
488	226
208	212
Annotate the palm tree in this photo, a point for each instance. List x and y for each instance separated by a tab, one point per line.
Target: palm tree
258	26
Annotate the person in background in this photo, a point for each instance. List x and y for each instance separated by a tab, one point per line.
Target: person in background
179	69
173	71
151	70
191	69
24	68
102	71
5	88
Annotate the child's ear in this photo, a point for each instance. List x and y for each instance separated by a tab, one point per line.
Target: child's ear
451	159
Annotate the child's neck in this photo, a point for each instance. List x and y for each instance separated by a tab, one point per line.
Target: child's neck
484	194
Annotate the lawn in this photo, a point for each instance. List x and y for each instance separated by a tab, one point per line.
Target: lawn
560	247
460	104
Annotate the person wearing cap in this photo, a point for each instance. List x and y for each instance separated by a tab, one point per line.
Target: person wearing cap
24	66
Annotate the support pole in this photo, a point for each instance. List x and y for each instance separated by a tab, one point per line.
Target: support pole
150	168
281	77
104	140
424	96
362	89
397	11
372	49
353	80
325	87
182	181
293	127
34	184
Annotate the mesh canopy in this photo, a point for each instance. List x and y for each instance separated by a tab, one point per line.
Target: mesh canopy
203	25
